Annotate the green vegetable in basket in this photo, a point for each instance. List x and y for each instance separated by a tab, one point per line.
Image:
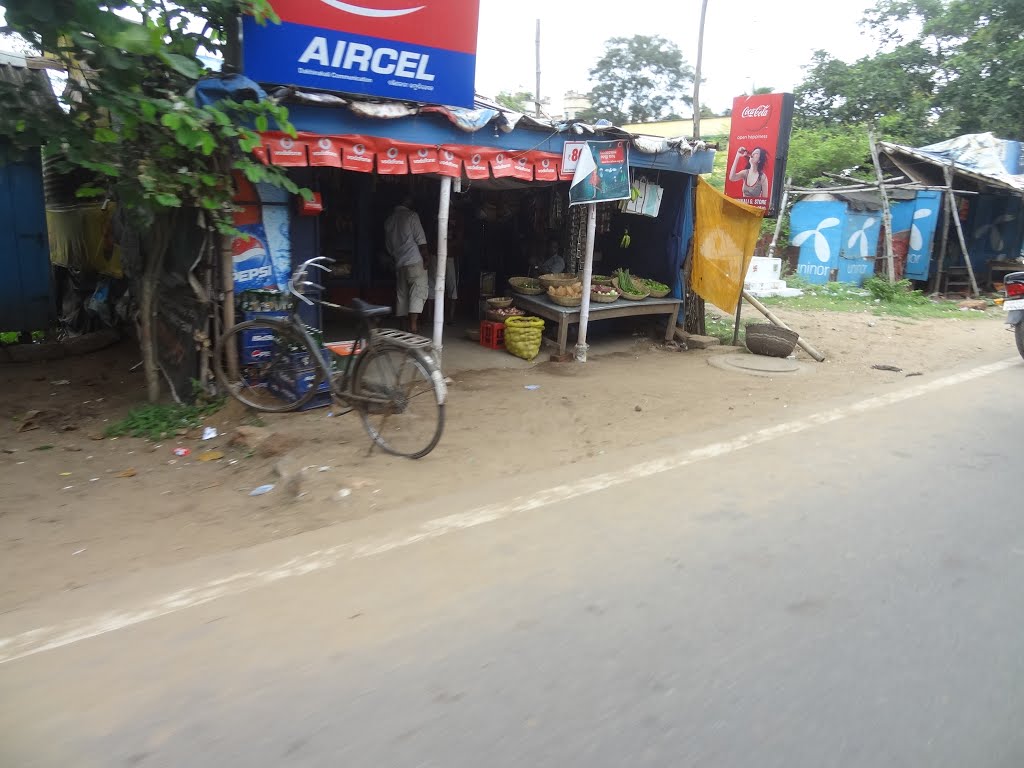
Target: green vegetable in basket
654	286
627	284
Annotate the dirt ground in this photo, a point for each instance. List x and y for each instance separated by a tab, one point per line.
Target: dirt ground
67	519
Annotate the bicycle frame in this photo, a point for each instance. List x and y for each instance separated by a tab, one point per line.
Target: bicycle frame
369	337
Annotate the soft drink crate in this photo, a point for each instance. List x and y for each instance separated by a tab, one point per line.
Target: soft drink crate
253	338
296	383
319	400
275	315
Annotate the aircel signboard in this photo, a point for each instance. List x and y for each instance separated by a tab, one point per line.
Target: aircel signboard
415	50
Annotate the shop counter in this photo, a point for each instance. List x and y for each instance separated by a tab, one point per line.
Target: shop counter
542	306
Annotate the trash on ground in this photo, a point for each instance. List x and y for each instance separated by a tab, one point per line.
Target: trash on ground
344	493
130	472
209	433
210	455
78	552
892	368
532	387
60	382
182	452
263	490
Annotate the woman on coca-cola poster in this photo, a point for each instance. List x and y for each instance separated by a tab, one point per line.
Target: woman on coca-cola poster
755	181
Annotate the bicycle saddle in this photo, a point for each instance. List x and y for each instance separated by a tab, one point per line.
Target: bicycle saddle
365	309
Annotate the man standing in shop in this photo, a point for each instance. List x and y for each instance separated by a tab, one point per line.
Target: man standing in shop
407	245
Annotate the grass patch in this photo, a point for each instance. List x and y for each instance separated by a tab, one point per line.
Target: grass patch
11	337
722	327
158	422
878	297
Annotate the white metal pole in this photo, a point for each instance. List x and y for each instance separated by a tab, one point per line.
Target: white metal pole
588	270
442	263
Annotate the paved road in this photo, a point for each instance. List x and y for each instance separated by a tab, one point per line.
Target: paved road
849	595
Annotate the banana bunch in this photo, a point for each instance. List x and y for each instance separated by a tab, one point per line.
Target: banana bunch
626	240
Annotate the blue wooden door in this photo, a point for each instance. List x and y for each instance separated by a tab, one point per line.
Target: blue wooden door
26	302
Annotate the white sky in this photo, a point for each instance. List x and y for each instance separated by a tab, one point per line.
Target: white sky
745	43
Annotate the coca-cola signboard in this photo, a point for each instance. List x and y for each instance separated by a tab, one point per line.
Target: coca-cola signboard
758	147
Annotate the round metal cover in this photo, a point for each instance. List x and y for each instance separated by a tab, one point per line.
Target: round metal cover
758	365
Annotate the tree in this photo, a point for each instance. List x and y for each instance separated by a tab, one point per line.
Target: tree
517	101
639	79
127	117
813	151
959	73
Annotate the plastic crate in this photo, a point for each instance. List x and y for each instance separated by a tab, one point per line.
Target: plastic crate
297	383
492	335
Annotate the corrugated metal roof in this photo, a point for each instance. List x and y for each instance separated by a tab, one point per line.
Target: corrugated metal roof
33	85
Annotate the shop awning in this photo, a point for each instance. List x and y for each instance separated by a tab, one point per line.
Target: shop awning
369	154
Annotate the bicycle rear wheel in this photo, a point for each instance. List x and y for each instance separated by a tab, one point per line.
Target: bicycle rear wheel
406	415
267	365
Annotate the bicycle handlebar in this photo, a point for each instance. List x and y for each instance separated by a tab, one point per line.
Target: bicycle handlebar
298	280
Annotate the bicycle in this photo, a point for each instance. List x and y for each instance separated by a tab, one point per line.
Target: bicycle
390	377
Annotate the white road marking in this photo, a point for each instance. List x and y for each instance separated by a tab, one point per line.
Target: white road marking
50	638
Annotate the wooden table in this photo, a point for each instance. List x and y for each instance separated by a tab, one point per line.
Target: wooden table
542	306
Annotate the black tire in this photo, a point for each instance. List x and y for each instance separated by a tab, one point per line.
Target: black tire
412	421
268	383
1018	333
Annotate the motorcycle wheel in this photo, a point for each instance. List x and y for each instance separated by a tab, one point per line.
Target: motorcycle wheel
1018	333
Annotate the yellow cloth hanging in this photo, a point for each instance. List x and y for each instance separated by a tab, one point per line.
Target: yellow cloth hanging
725	233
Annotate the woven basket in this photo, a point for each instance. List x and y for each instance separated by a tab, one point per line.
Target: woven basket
565	301
518	285
496	318
499	302
553	281
604	298
630	296
600	280
660	294
770	340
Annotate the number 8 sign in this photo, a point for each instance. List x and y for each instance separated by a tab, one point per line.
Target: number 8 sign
571	156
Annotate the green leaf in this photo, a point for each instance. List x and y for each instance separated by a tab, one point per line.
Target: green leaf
105	136
168	200
148	110
89	191
171	120
262	124
183	65
207	144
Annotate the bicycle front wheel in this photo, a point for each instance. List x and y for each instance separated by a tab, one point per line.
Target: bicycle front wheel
267	365
405	394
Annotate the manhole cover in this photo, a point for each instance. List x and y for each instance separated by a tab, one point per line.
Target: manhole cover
758	365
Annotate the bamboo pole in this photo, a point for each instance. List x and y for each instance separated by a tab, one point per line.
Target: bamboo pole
940	266
771	316
955	214
890	261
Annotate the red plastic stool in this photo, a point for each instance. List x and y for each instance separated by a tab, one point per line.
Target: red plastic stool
492	335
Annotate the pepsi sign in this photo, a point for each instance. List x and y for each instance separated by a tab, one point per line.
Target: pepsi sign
413	50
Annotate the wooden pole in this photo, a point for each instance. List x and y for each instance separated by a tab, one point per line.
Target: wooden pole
697	69
768	313
778	219
536	96
736	325
890	262
955	214
940	266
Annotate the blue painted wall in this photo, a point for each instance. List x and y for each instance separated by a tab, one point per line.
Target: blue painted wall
26	299
858	247
817	228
